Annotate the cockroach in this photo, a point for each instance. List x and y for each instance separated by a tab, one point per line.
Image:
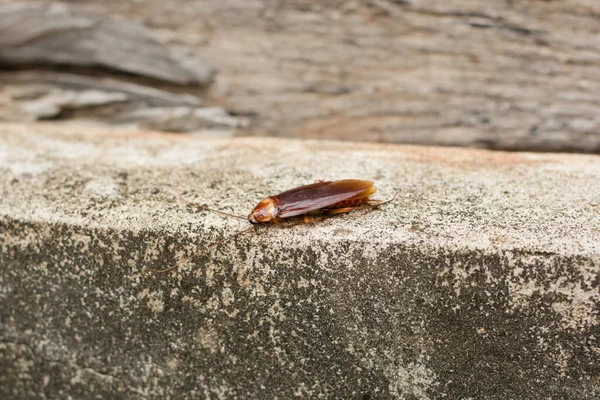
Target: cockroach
322	197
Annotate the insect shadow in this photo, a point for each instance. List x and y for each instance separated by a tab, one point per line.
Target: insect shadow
324	198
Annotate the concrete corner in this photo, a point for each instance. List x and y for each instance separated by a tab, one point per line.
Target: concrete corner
480	281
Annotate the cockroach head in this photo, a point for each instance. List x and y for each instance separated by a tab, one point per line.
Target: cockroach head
264	211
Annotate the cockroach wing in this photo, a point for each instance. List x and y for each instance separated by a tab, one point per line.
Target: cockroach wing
320	195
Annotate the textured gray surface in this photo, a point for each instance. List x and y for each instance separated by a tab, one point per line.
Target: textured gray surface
114	72
501	74
51	33
480	281
517	75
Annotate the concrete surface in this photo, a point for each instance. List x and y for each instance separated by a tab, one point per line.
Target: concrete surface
480	281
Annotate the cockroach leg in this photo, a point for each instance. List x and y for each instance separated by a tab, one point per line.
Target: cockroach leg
370	204
203	207
334	211
376	203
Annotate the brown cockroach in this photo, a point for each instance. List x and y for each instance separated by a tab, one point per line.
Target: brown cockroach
321	197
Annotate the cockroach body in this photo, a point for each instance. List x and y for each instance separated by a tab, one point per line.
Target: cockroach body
321	197
326	197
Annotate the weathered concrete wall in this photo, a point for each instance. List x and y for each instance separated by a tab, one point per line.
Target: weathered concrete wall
480	281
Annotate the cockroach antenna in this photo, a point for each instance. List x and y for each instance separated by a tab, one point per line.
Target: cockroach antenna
326	198
204	250
203	207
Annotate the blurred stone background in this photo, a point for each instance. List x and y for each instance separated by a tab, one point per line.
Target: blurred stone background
514	74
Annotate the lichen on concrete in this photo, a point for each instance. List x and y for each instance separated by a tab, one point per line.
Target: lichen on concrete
480	281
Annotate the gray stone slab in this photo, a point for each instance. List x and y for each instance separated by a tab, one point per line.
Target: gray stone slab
53	34
504	75
480	280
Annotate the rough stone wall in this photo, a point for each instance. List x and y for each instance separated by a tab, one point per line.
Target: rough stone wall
520	74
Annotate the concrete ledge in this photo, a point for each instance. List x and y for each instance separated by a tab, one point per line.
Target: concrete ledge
480	281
